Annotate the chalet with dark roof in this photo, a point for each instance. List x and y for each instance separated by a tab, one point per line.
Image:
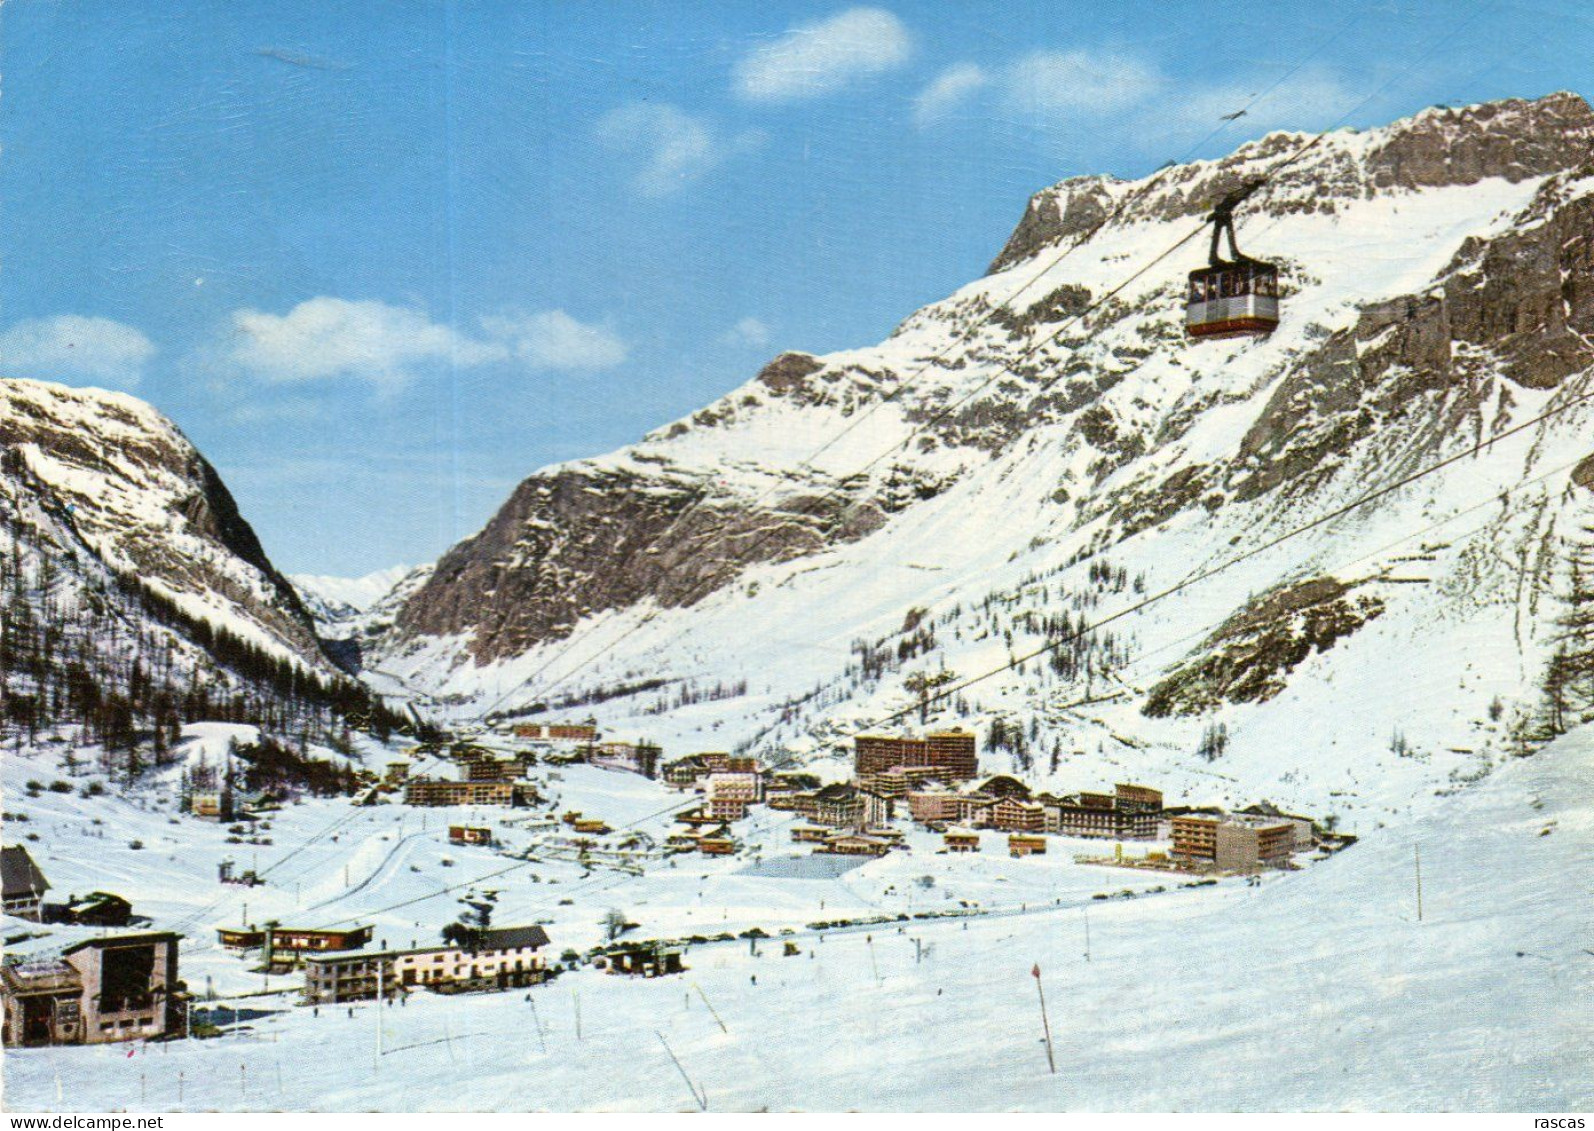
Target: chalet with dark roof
843	805
96	909
22	882
500	958
1002	786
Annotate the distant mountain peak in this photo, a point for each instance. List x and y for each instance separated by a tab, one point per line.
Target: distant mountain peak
356	593
1514	140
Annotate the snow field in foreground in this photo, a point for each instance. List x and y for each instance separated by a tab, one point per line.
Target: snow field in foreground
1318	990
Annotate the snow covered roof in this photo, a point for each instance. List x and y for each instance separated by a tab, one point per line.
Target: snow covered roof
44	975
837	791
94	899
137	936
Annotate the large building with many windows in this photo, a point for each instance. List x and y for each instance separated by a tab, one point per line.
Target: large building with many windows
1233	843
431	793
558	734
500	959
951	753
730	793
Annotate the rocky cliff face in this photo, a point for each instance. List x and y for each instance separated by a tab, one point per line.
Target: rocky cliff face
130	488
660	522
584	539
1514	140
1051	417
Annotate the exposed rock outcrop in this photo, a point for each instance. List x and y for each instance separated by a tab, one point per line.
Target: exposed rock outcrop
1251	655
1064	211
584	539
1520	305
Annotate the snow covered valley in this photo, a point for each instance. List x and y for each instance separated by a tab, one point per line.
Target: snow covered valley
1318	989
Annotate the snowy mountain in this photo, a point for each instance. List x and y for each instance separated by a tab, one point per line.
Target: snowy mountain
136	598
127	485
1043	447
350	612
330	599
1174	999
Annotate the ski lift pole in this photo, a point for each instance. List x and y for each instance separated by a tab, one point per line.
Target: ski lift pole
1416	860
700	1097
379	988
1046	1026
717	1020
535	1020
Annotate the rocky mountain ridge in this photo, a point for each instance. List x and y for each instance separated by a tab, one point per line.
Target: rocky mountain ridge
982	501
685	511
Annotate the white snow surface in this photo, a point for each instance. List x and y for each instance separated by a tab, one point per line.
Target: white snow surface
356	593
1318	990
123	480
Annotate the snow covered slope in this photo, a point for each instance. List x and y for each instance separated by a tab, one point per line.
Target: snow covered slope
120	480
334	599
1043	448
351	612
1317	990
134	597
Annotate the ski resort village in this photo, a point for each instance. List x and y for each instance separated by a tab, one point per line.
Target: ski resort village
500	805
1157	676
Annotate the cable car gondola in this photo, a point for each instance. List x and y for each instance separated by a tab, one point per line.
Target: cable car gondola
1232	297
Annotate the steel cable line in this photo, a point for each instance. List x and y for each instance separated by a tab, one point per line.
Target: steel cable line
1203	574
195	917
1004	368
1084	631
847	512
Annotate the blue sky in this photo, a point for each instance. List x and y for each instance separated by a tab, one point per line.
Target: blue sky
382	260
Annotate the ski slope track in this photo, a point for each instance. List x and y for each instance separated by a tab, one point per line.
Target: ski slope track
1006	475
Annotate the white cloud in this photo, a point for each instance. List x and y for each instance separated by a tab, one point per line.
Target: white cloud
674	147
1049	84
747	332
949	90
372	341
73	347
325	338
552	339
822	57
